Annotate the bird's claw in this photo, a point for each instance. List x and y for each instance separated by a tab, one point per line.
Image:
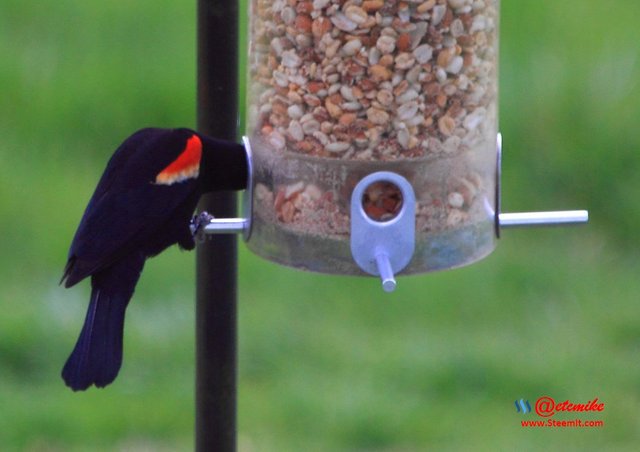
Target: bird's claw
198	223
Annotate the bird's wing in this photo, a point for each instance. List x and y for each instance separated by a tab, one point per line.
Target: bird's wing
121	222
127	207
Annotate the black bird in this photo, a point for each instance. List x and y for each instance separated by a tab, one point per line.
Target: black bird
142	205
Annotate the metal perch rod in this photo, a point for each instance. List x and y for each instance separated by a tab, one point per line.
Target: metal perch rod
535	219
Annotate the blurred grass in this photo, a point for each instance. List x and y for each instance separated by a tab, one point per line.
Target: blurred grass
328	363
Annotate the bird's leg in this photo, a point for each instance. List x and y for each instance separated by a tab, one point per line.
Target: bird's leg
198	223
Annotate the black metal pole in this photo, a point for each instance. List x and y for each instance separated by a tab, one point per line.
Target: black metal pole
216	266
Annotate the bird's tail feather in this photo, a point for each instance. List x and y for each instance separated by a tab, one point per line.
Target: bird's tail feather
97	356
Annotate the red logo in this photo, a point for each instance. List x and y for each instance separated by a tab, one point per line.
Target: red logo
547	407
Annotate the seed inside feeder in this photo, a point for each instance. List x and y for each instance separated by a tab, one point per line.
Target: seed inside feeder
382	201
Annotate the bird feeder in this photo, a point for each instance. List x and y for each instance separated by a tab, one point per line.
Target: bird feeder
372	136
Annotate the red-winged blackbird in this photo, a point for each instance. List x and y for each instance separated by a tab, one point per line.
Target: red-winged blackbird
142	205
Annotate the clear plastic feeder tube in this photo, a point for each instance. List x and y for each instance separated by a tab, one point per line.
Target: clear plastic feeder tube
341	89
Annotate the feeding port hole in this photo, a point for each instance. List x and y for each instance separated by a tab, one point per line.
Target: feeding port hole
382	201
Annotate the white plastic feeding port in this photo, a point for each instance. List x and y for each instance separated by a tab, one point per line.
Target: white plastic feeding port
383	240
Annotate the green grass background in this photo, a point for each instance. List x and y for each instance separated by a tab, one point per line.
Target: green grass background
328	363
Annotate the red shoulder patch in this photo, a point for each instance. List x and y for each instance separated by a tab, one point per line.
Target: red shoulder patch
186	166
